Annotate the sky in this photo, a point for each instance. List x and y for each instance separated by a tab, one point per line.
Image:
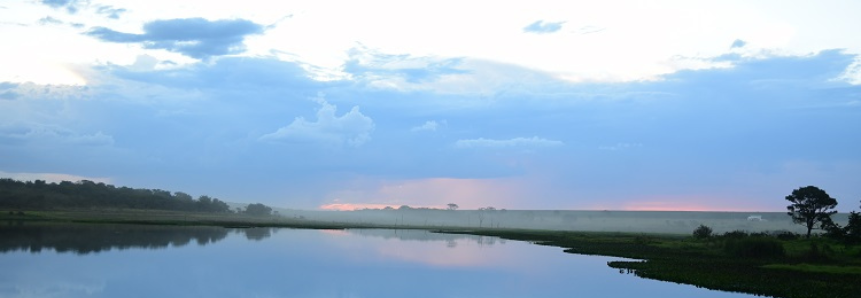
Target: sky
616	105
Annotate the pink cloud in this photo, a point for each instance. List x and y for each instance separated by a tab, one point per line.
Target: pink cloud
431	193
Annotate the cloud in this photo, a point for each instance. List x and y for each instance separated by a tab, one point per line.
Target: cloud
542	27
452	76
852	74
110	11
196	37
49	21
52	135
510	143
8	95
7	92
391	71
352	129
430	125
70	5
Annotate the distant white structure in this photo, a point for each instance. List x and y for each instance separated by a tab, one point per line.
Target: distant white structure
755	218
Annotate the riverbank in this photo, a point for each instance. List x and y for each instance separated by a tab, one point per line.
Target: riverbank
810	267
805	268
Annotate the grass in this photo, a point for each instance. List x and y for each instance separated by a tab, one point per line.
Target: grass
828	269
807	268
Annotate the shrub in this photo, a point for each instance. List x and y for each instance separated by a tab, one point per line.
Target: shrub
737	234
759	234
818	253
702	232
853	228
786	235
754	247
642	240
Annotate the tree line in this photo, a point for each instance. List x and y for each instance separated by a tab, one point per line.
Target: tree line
40	195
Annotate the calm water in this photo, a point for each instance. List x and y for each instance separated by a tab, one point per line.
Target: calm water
135	261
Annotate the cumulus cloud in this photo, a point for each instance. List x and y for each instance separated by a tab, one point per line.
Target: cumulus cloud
351	129
542	27
430	125
510	143
196	37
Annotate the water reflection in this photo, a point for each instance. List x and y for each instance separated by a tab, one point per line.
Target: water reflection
427	236
258	234
303	263
91	238
429	248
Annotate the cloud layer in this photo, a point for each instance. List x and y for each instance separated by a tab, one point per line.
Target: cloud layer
194	37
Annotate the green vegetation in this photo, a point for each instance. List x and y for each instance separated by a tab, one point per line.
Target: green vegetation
829	269
703	232
754	247
810	205
735	261
85	194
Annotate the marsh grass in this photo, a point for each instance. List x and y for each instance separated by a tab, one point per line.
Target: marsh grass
828	269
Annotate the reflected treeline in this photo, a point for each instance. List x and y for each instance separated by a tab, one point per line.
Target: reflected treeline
86	238
424	235
258	234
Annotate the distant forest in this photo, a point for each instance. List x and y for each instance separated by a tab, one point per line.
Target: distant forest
39	195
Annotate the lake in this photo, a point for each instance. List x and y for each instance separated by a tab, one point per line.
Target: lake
47	260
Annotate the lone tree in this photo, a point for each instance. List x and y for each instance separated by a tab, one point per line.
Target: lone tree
258	210
809	206
452	206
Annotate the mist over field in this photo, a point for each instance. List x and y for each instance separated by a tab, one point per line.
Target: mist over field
671	222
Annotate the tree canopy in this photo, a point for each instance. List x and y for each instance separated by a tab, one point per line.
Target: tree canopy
258	209
39	195
809	206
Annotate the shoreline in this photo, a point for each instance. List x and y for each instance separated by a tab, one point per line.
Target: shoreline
666	257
